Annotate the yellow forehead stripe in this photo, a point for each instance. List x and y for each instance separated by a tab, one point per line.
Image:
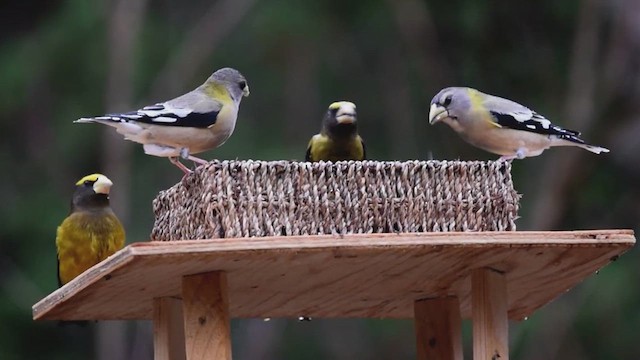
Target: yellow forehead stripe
339	104
92	177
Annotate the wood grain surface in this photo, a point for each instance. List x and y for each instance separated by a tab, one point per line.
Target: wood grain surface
207	328
489	311
438	329
168	329
350	276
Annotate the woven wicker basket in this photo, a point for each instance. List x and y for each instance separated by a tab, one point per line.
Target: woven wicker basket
259	198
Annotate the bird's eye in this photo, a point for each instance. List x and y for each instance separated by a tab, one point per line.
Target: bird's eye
88	182
447	101
243	84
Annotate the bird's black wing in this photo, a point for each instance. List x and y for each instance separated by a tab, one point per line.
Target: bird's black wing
364	150
307	156
164	114
58	272
534	122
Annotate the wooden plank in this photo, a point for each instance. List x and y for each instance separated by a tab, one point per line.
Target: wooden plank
489	315
207	326
438	327
363	275
168	329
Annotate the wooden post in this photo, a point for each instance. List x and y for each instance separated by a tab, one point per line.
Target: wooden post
438	328
489	314
205	304
168	329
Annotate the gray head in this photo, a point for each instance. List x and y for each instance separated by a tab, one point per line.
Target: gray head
233	80
450	104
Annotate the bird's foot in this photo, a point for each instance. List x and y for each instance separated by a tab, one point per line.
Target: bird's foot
519	154
184	153
197	160
181	166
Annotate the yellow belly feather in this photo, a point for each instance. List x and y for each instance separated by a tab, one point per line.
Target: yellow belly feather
85	239
323	148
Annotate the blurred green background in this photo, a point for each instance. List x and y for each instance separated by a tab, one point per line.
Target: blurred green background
577	62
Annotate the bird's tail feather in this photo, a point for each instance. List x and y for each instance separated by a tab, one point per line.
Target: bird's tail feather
99	119
84	121
594	149
576	141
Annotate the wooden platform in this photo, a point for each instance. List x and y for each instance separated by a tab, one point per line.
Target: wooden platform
192	288
354	276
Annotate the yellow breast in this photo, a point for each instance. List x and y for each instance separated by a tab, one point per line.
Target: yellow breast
84	240
323	148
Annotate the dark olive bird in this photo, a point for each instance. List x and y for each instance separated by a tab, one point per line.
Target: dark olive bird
91	232
338	139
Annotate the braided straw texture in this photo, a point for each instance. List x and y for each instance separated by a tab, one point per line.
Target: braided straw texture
260	198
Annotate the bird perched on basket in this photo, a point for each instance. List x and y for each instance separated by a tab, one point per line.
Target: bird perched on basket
91	232
338	139
197	121
500	126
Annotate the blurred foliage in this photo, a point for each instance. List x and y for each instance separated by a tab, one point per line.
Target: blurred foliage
390	58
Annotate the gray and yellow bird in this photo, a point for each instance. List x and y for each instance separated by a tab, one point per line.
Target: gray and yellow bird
500	126
338	139
197	121
91	232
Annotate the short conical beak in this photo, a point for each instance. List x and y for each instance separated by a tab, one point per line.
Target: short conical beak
346	118
437	113
102	185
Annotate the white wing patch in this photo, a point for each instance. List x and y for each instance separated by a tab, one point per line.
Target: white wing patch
165	119
181	112
541	120
529	116
521	116
158	110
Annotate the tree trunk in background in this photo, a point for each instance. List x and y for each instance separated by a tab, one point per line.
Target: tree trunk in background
560	172
622	69
419	40
200	42
396	98
417	30
125	19
302	115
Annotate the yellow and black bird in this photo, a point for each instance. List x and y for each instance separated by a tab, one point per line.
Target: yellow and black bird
91	232
338	139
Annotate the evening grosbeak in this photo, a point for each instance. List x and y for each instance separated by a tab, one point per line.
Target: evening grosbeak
197	121
91	232
500	126
338	139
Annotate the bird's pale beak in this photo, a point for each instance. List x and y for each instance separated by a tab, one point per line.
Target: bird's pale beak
437	113
245	91
346	118
102	185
